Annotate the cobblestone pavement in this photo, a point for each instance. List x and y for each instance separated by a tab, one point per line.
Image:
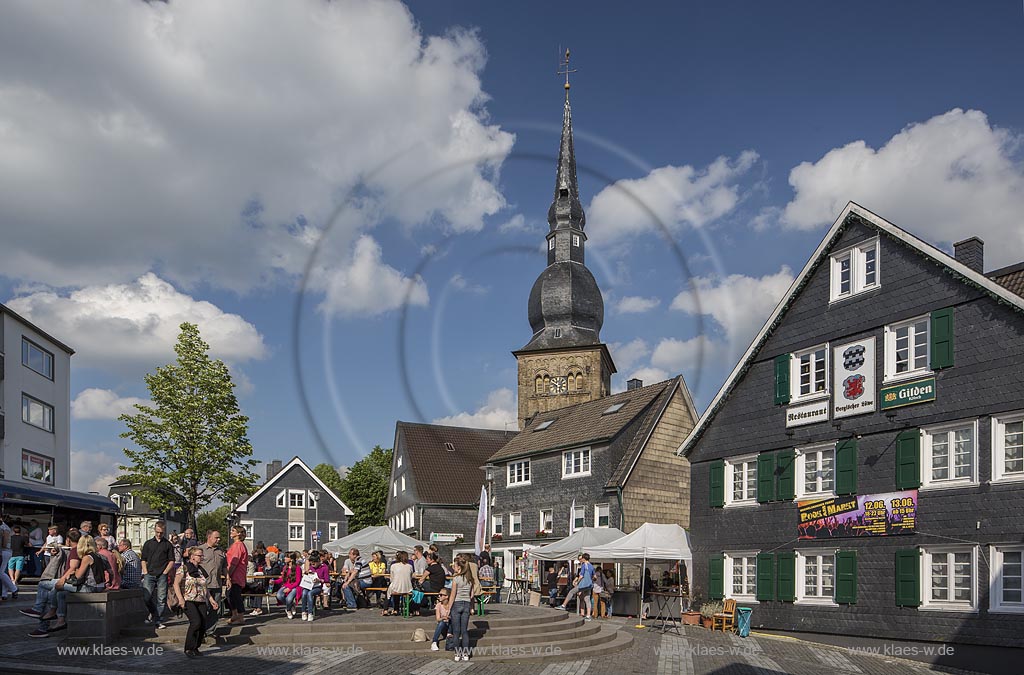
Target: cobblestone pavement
695	652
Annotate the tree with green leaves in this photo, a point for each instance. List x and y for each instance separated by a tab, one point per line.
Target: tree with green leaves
216	519
329	475
365	489
191	443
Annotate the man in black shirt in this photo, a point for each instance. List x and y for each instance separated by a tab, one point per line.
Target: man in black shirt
157	562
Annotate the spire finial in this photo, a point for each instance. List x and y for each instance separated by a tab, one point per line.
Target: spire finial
565	70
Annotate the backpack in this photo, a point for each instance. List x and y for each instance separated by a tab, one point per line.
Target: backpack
100	570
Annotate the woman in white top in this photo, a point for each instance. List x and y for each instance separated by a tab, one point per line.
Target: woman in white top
401	582
460	606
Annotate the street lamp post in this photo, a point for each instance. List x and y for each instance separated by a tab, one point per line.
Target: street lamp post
315	494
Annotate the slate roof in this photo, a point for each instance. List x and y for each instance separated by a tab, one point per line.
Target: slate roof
1010	278
582	424
645	428
448	477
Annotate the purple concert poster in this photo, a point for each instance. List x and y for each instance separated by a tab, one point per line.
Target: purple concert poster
880	515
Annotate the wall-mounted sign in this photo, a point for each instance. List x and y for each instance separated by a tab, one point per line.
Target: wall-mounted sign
877	515
853	379
444	537
908	393
809	413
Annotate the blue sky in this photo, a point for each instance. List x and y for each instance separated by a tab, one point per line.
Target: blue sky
383	172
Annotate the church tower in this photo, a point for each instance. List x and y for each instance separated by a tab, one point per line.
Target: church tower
565	362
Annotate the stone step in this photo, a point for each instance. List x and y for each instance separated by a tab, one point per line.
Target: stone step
607	640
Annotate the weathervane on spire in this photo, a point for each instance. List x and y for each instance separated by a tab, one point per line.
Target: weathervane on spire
565	69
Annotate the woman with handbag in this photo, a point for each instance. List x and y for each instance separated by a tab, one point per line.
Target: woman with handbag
315	574
191	587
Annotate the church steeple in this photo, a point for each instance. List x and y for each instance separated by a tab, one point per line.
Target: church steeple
566	210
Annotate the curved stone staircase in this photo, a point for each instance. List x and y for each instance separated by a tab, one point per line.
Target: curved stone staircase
542	636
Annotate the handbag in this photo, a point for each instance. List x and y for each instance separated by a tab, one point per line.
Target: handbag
309	581
417	597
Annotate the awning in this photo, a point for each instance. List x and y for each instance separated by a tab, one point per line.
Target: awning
12	492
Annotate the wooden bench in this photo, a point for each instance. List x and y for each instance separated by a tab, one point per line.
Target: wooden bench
259	595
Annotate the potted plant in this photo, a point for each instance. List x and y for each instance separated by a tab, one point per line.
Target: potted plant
540	534
495	537
708	610
691	617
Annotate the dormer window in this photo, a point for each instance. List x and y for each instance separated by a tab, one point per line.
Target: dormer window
450	447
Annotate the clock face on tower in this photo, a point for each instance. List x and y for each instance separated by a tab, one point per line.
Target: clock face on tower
558	385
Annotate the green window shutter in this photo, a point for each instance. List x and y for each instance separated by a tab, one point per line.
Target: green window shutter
782	379
846	577
908	459
908	577
786	460
765	576
846	467
785	575
766	477
716	483
942	338
716	575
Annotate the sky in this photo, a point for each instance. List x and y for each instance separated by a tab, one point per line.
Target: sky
349	198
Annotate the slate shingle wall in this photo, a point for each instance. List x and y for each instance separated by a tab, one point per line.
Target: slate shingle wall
987	378
270	523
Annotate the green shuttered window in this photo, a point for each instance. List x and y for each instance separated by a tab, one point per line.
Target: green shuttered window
716	576
765	576
716	483
846	577
942	338
846	467
786	462
785	575
908	577
766	477
782	379
908	459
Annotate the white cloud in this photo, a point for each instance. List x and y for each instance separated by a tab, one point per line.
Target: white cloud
460	283
633	304
649	375
738	303
103	404
946	179
518	223
499	412
628	355
668	197
366	286
124	326
691	356
93	471
216	139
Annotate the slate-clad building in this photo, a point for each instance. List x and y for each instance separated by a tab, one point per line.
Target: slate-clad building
290	508
861	471
434	492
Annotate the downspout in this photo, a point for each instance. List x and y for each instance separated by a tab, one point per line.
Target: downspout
622	514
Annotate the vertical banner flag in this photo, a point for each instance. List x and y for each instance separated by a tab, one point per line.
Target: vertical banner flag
853	386
481	521
572	517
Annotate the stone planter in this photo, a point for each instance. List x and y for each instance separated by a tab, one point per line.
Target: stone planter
691	618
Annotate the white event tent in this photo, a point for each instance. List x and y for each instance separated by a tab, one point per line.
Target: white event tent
370	539
577	542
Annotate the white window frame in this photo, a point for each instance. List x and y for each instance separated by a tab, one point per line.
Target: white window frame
999	447
26	358
801	576
27	403
332	531
515	524
129	504
995	595
582	511
927	556
927	436
247	524
730	558
394	488
576	240
399	461
890	374
731	465
794	375
43	460
403	482
498	525
516	478
858	270
302	532
597	514
282	499
551	244
585	461
302	497
800	470
550	518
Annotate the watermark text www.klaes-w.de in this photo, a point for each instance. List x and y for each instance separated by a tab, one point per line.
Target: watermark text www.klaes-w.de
109	650
896	649
701	650
307	650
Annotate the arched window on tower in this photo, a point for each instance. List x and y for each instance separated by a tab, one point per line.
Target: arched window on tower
570	382
579	381
540	385
547	383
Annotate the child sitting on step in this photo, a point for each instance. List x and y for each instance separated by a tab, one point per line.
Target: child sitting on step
442	615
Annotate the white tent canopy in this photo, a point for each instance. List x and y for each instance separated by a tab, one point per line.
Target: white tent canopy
370	539
576	543
650	541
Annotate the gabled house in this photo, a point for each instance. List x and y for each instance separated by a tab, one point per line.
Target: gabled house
293	509
136	517
605	463
861	471
434	488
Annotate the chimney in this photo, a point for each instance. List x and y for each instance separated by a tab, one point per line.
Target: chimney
970	252
635	383
273	468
